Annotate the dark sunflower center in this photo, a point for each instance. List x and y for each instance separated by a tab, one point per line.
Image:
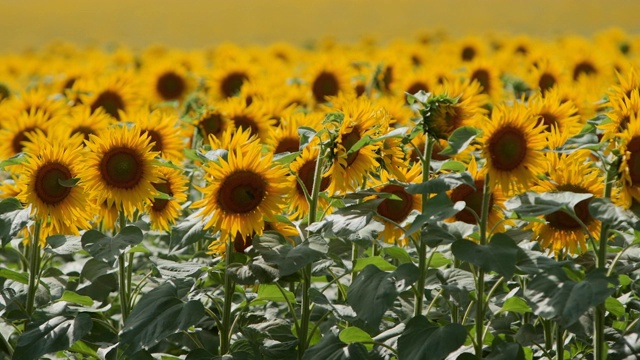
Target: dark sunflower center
4	92
522	50
156	139
560	220
305	173
48	186
435	154
325	84
473	200
232	83
121	168
69	83
110	101
246	122
624	123
585	68
394	209
170	86
211	125
468	53
417	86
348	141
241	192
546	82
387	78
289	144
19	138
548	120
507	148
634	160
84	130
242	242
482	76
360	89
161	204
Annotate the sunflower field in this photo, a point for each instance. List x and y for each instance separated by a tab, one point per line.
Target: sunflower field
472	197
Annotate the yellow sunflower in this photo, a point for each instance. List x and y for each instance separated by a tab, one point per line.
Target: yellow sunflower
242	242
511	144
623	109
164	212
252	117
107	215
465	112
113	93
242	190
303	168
487	73
62	208
119	169
630	167
545	74
211	122
163	129
397	210
37	100
348	170
228	78
560	232
13	135
329	77
285	137
473	199
82	122
555	115
167	81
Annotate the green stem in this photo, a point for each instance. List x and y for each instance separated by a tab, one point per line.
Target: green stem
559	342
422	247
229	287
7	345
480	307
122	275
34	267
599	320
548	334
354	259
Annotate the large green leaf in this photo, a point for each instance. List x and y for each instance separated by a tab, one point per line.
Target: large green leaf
615	216
553	295
374	291
107	249
439	208
354	223
63	244
460	140
331	348
160	313
275	249
176	270
536	204
58	333
426	341
500	255
506	351
442	184
187	232
255	272
13	218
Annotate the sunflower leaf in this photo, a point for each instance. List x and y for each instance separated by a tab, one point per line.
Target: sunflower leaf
395	133
607	212
107	249
14	160
536	204
330	347
460	140
165	163
13	218
275	249
442	184
422	339
285	157
421	96
306	135
366	140
163	196
187	232
500	255
68	182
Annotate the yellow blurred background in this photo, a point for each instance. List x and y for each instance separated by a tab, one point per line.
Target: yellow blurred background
188	24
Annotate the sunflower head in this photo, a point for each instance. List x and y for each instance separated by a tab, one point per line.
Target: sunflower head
162	211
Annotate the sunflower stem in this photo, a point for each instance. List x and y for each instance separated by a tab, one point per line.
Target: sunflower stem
599	321
422	247
229	286
480	307
34	267
122	275
559	342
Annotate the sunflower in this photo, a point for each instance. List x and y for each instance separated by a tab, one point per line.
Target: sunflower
626	84
487	73
555	115
397	210
285	137
162	127
228	78
242	242
253	117
361	119
119	169
167	81
164	212
303	168
242	191
560	232
545	74
473	199
63	209
82	122
13	135
630	166
113	93
107	215
511	144
622	111
37	100
211	122
327	78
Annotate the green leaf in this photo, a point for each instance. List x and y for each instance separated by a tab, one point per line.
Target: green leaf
398	253
376	261
506	351
69	182
272	293
306	135
615	307
395	133
160	313
17	159
354	334
162	196
72	297
275	249
423	340
56	334
80	347
187	232
536	204
500	255
617	217
285	158
253	273
453	165
177	270
166	163
439	208
374	291
439	260
553	295
354	223
22	278
442	184
13	218
63	244
515	304
331	348
460	140
106	248
366	140
421	97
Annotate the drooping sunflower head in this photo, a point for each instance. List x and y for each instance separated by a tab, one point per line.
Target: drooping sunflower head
560	232
47	184
511	144
242	190
162	211
466	111
119	169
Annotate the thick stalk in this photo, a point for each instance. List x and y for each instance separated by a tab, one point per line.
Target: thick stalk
229	287
598	326
559	342
548	334
34	267
122	276
305	310
422	247
480	308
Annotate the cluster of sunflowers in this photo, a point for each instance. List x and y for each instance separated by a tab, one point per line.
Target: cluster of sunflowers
88	136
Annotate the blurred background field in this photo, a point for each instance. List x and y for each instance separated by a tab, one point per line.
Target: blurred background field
27	24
